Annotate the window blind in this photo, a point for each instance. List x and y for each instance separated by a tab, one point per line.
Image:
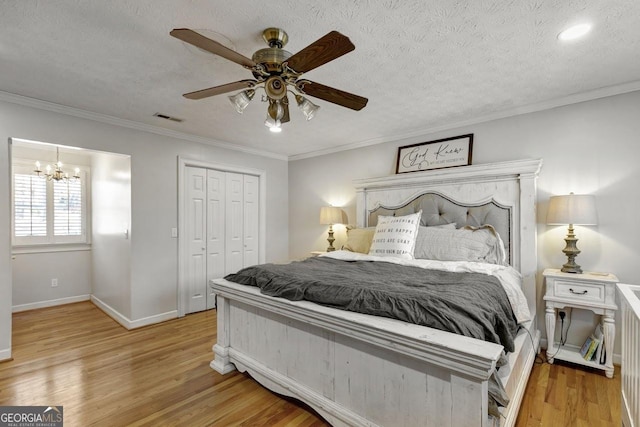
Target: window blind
67	208
48	212
30	199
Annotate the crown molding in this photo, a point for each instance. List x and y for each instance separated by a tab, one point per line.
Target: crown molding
130	124
531	108
515	111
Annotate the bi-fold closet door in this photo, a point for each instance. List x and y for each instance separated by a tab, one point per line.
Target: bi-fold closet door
222	217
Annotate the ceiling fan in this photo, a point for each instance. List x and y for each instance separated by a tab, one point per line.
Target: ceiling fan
278	72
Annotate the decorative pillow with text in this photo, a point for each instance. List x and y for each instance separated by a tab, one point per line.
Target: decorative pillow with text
395	236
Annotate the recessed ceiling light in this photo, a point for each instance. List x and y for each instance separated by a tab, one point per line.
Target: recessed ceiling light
574	32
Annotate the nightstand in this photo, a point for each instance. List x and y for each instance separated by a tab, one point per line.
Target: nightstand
587	291
316	253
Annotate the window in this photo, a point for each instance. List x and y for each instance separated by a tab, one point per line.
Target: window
48	212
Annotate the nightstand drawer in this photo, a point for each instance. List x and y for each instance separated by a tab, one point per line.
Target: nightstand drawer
579	291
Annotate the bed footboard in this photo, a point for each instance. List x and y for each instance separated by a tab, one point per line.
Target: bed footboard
353	369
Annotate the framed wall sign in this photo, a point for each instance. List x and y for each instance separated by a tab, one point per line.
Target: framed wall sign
442	153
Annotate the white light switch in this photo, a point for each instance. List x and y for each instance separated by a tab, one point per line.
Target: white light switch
174	232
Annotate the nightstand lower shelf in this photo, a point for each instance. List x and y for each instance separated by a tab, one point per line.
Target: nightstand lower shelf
572	354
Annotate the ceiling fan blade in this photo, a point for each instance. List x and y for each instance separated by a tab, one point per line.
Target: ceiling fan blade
198	40
323	50
330	94
217	90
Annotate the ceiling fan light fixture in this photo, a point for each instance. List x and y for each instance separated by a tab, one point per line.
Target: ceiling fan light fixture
307	107
241	100
275	110
274	125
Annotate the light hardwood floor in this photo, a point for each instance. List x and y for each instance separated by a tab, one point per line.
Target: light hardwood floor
104	375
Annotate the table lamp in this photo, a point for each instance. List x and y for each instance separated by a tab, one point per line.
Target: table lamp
330	215
572	209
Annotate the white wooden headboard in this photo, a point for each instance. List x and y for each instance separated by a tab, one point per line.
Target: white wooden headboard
509	184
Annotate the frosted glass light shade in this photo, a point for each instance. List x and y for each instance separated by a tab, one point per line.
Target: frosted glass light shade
308	108
576	209
242	99
330	215
272	124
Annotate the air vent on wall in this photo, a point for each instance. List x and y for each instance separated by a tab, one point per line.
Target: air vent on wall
166	117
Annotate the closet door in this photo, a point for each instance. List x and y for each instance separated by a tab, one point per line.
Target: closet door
196	228
222	217
216	190
234	224
251	220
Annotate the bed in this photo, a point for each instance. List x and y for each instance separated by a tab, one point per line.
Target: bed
357	369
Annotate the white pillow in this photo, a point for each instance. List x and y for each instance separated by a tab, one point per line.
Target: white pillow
395	236
481	244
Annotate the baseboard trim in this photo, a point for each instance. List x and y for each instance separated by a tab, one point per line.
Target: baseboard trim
156	318
49	303
128	323
5	355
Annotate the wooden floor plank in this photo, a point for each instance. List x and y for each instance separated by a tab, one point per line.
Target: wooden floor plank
76	356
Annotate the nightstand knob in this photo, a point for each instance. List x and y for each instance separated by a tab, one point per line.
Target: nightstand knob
577	293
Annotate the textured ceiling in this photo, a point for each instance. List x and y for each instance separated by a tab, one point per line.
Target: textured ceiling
423	64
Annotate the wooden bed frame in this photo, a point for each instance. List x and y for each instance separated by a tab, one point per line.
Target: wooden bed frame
361	370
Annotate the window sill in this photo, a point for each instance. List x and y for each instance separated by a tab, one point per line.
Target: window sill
36	249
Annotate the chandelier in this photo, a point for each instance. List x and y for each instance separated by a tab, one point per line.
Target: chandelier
56	173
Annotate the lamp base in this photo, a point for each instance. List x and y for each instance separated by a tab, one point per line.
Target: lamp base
331	239
571	251
571	268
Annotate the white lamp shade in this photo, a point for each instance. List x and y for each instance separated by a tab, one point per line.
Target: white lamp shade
576	209
330	215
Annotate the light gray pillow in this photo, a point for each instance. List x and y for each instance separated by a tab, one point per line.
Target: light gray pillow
481	244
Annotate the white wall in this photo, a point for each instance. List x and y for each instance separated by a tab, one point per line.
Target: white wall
110	239
33	272
153	194
590	147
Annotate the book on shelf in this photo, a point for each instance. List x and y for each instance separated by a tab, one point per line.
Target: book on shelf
593	348
599	354
589	347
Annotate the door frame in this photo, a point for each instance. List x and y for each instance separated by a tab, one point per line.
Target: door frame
183	162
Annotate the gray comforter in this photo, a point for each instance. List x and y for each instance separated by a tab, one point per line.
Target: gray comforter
471	304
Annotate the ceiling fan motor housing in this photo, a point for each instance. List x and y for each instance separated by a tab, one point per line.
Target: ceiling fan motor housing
271	58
